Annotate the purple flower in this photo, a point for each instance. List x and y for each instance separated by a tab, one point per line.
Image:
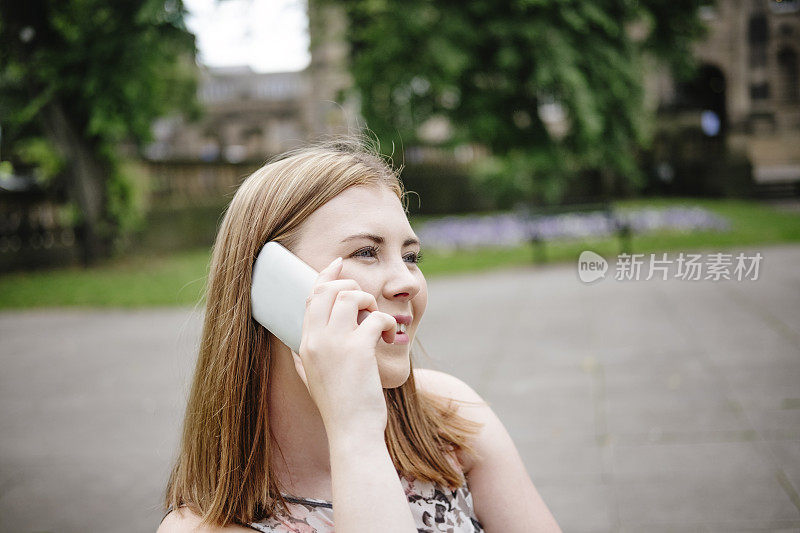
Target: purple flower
514	229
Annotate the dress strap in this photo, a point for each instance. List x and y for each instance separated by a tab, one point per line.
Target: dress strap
309	501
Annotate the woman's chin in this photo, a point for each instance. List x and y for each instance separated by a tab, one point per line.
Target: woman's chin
394	373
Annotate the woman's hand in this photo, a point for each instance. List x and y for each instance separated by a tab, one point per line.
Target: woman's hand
337	354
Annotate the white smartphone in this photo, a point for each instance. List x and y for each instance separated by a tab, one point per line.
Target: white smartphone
281	283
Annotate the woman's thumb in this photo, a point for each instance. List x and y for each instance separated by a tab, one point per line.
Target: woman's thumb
379	324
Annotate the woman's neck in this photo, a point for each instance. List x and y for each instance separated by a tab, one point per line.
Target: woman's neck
295	422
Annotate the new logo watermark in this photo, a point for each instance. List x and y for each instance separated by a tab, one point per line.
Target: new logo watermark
684	266
591	266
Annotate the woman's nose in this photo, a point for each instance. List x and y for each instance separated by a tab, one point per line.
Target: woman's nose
401	282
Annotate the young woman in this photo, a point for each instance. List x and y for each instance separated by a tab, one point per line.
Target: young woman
346	431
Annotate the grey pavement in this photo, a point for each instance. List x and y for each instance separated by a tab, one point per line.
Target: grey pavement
636	406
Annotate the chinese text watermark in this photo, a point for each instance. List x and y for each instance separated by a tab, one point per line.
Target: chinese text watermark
684	266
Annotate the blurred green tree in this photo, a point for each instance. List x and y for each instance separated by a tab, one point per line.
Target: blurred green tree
553	88
80	77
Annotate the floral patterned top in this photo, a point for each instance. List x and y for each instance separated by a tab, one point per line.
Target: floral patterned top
435	509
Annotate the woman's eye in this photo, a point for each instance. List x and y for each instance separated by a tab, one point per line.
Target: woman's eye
371	251
415	257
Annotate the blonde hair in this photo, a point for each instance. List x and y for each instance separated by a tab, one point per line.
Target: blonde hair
223	471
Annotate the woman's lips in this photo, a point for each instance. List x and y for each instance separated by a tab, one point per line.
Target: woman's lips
401	338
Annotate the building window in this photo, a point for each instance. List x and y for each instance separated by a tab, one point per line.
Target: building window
757	38
757	29
788	82
759	91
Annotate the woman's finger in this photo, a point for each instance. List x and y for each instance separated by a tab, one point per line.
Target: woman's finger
320	301
378	325
330	272
317	312
346	306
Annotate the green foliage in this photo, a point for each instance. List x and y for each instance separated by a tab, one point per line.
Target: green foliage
110	67
114	65
674	26
121	204
500	70
443	188
6	169
68	214
41	155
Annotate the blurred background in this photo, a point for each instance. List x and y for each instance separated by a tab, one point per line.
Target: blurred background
528	132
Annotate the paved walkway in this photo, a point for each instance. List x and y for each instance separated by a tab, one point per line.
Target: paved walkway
637	406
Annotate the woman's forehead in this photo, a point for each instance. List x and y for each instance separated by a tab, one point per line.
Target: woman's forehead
359	229
363	196
355	219
358	206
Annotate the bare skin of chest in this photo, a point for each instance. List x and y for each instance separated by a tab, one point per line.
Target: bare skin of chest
304	484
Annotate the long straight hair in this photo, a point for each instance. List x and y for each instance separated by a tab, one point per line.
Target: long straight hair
223	470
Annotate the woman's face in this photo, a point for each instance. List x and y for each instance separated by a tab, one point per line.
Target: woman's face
383	265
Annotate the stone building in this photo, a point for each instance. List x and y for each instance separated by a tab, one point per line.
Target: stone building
249	116
747	87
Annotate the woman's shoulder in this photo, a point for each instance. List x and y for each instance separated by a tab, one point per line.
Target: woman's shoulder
469	404
444	384
183	520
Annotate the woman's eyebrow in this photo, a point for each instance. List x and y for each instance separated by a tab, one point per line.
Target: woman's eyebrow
378	239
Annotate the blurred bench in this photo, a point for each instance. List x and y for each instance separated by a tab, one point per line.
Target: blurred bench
538	216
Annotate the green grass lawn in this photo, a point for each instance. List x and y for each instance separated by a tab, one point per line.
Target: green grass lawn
179	278
136	281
